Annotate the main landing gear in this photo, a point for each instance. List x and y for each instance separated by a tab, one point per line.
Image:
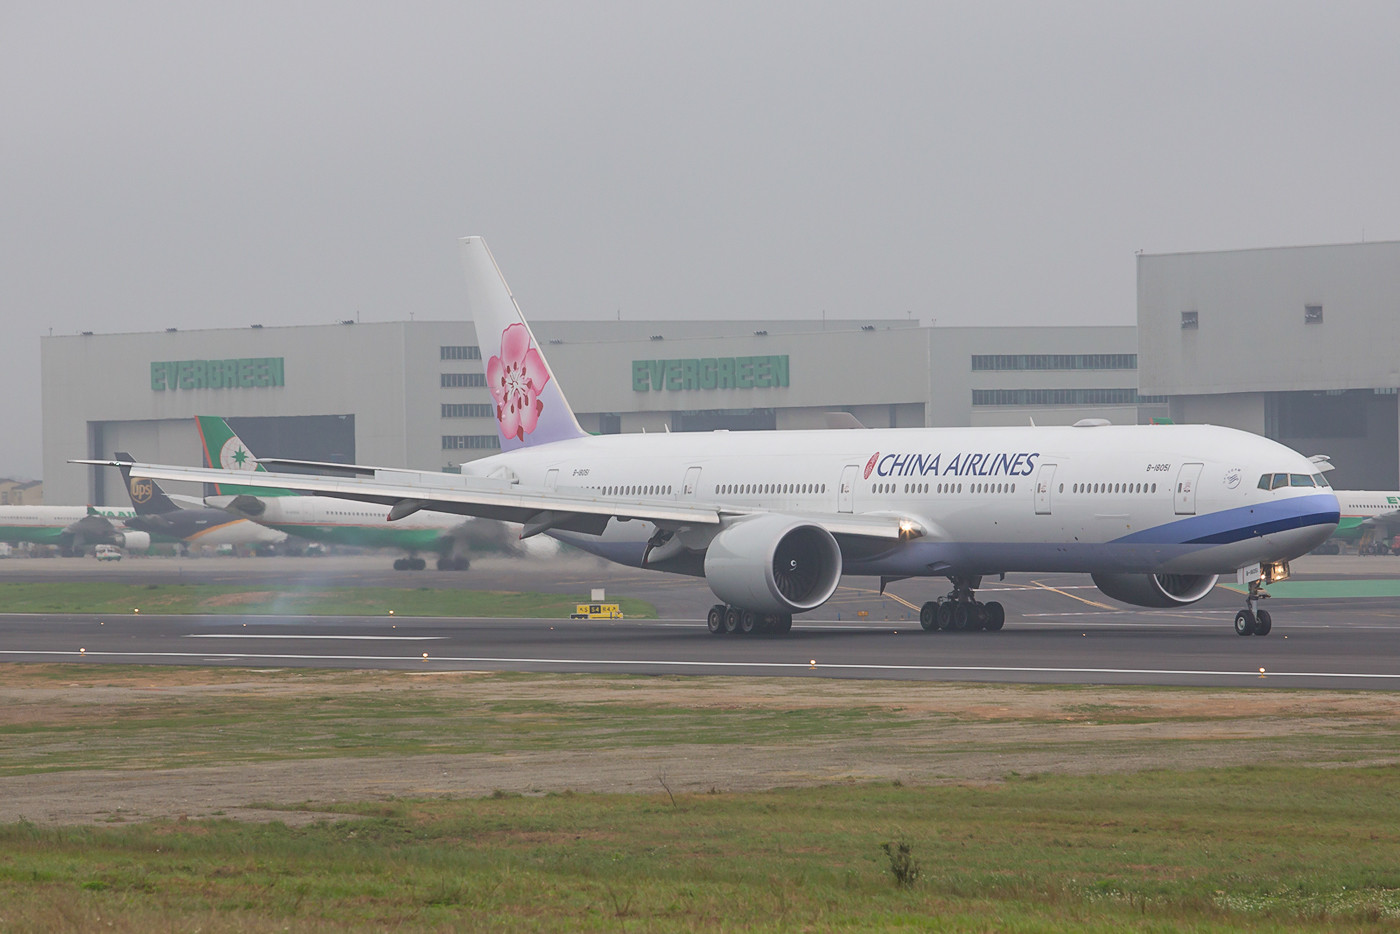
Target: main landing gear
961	611
730	620
1251	621
453	563
413	563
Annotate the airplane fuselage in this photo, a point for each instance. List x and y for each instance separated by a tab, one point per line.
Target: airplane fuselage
1108	499
345	522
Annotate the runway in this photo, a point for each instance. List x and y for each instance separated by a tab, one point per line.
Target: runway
1059	630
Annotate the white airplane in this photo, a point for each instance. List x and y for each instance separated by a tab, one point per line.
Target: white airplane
337	521
1369	519
772	519
71	528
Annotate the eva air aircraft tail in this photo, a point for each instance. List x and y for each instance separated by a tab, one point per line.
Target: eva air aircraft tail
223	448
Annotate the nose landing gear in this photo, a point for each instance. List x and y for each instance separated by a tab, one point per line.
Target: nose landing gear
1252	621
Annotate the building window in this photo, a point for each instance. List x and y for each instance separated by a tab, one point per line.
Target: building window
469	442
457	380
467	410
1054	361
1190	321
461	353
1312	314
1062	397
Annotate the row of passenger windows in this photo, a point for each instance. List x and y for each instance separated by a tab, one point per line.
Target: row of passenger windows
1111	488
724	489
640	489
1272	481
915	488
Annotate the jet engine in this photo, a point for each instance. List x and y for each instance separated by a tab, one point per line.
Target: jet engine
131	541
1156	590
773	564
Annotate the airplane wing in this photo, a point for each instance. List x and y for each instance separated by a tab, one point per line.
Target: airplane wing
537	510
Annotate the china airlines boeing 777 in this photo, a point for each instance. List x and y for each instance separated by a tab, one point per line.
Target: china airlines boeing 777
772	519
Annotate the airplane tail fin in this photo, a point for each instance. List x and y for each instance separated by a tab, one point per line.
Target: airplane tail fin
223	448
530	406
146	495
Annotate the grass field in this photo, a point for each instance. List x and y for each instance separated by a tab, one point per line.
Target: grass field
1258	849
233	599
1304	836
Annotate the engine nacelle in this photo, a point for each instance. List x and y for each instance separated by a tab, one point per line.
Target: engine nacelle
1156	590
773	564
132	541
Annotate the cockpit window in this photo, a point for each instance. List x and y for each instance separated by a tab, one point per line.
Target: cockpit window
1280	479
1322	481
1265	482
1300	479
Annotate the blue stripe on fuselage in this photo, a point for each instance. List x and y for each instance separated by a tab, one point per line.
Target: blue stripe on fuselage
1244	522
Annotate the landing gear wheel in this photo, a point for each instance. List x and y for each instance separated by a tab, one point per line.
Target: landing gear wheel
996	617
400	564
784	624
945	615
715	621
748	622
962	619
1244	623
928	616
731	619
1263	622
979	616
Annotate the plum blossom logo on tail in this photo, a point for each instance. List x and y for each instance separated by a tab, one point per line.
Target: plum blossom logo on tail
870	464
516	378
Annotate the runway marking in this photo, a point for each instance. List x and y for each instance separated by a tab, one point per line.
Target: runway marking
1061	592
793	666
893	596
254	635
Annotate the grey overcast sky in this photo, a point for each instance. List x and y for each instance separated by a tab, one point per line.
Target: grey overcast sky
198	165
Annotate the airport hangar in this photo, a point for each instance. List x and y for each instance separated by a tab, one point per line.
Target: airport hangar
1293	343
1299	344
413	393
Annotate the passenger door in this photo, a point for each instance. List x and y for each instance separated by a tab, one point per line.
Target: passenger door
691	484
1186	482
1043	481
846	492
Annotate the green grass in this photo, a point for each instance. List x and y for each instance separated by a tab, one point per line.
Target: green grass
336	715
221	599
1274	849
1307	842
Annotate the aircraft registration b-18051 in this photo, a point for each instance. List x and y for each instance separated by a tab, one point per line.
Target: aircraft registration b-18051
772	519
